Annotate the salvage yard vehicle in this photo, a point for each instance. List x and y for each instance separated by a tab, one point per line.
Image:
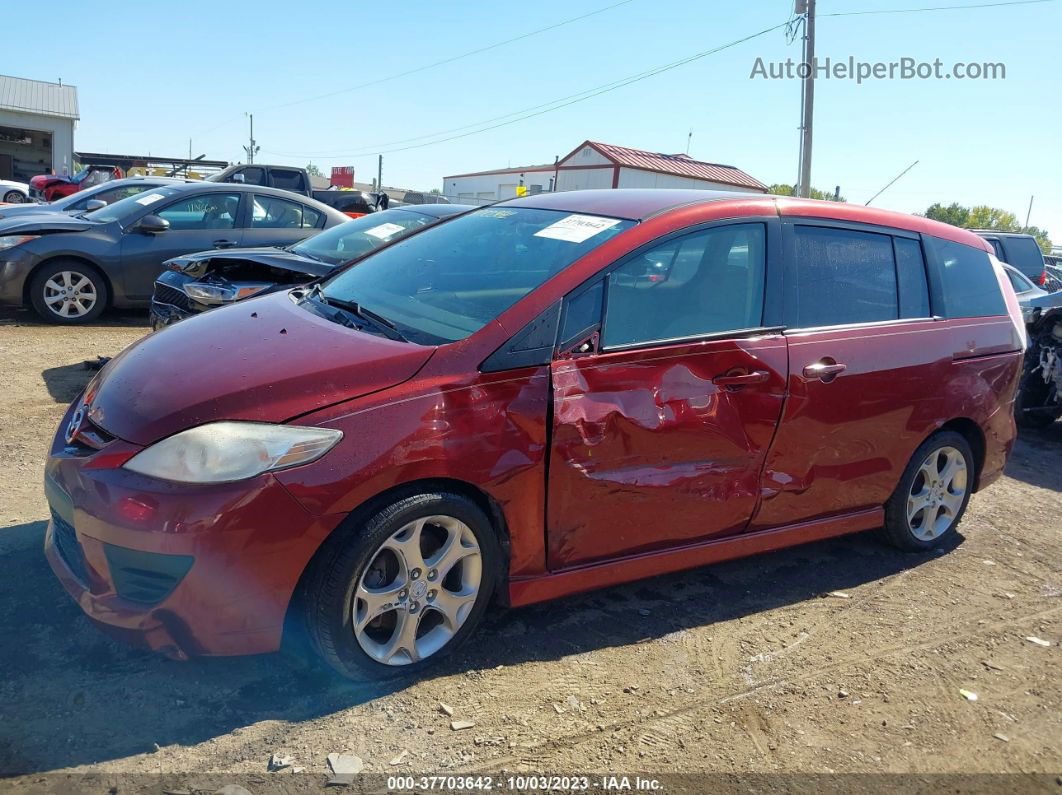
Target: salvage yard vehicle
549	395
92	198
49	187
13	192
354	203
69	268
195	283
1021	251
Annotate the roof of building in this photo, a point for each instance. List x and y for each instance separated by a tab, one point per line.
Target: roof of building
37	96
679	165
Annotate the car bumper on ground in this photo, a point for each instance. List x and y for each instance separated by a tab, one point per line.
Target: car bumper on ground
163	315
183	570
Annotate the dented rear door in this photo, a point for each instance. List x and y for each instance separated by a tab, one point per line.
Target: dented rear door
659	443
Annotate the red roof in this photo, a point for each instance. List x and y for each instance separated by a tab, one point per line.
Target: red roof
677	165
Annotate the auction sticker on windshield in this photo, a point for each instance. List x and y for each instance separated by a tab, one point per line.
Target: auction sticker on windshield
151	198
384	231
577	228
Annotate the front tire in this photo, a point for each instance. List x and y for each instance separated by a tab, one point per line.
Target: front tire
14	197
68	292
932	495
397	593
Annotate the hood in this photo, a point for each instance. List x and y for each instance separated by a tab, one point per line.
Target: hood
32	223
263	360
26	209
1046	301
196	264
42	180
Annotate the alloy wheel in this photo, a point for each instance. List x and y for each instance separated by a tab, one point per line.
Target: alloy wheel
14	197
70	294
937	493
417	590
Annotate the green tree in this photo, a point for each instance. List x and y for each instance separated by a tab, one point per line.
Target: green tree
313	170
778	189
985	217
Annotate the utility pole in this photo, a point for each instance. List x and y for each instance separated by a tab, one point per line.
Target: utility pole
808	111
688	139
1028	215
251	149
379	174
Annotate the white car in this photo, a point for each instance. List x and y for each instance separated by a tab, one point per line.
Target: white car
13	192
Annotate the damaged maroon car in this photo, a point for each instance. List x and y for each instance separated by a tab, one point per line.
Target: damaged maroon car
545	396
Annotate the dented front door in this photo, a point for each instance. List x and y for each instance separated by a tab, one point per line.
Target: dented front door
660	447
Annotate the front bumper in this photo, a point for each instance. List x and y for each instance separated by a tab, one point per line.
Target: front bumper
184	570
15	266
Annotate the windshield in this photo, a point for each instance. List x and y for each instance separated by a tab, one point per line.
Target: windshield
129	206
451	280
354	238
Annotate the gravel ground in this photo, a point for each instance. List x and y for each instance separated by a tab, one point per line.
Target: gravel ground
745	667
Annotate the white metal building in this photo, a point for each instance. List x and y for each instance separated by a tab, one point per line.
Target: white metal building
597	165
36	127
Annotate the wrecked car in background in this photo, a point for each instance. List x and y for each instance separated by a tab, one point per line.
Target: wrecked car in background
195	283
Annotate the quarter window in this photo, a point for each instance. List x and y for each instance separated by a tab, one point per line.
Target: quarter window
839	277
971	288
702	283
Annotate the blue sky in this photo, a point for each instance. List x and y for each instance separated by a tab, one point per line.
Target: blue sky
160	74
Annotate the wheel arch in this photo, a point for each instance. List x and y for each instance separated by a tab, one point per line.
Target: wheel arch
463	488
975	437
28	283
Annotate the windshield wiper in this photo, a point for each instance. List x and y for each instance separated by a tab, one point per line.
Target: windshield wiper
389	329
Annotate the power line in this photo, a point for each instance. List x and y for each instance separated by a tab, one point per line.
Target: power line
548	107
933	8
444	61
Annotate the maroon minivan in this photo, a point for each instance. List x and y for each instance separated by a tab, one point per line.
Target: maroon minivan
541	397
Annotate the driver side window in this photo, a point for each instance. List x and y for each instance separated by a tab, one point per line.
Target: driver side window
209	211
702	283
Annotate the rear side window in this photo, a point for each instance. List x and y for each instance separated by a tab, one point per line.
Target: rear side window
911	278
840	276
1025	255
286	179
969	283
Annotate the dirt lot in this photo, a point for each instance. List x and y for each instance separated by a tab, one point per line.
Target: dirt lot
742	667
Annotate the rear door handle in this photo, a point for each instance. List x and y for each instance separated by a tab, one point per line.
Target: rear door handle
825	371
224	243
742	379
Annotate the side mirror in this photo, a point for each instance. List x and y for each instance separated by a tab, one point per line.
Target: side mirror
95	204
152	225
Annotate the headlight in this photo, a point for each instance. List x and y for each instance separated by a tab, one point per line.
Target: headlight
10	241
220	294
220	452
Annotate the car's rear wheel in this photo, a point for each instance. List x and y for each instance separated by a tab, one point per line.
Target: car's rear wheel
14	197
398	592
68	292
933	493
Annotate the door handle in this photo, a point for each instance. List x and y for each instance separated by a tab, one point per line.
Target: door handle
741	379
224	243
825	370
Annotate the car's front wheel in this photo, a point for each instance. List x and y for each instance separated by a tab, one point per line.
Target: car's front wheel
14	197
68	292
933	493
401	590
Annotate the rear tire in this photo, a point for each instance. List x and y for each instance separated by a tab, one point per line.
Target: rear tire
68	292
14	197
932	495
395	594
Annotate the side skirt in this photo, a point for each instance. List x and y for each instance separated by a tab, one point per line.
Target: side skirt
528	590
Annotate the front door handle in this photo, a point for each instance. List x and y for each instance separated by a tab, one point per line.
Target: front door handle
825	370
741	379
224	243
